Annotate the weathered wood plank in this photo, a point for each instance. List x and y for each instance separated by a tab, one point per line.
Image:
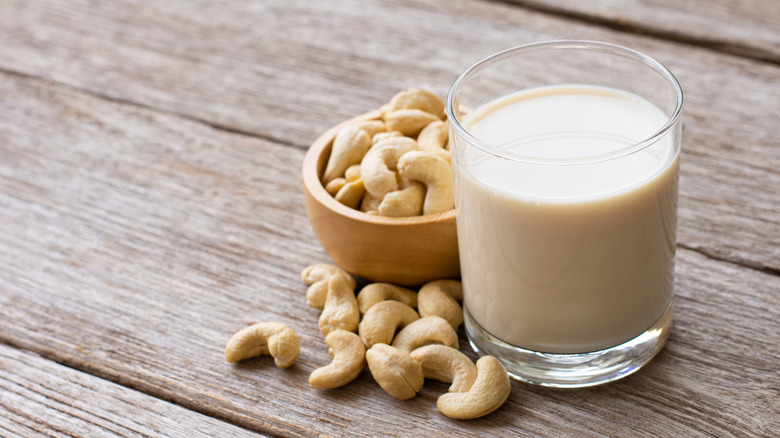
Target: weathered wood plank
135	243
287	70
40	398
746	28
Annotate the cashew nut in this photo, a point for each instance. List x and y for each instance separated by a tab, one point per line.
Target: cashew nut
349	356
444	154
341	310
351	193
381	321
408	201
433	137
446	364
335	185
273	338
379	136
349	147
352	173
370	203
439	298
409	121
375	292
417	98
379	165
489	391
317	276
424	331
435	173
372	127
395	371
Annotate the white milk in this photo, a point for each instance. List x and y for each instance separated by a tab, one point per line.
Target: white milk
567	258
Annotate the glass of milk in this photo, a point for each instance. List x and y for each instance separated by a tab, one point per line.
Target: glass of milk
565	156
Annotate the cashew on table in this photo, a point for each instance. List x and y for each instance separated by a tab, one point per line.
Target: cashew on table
489	391
273	338
382	320
424	331
398	373
440	298
376	292
317	277
341	310
446	364
349	357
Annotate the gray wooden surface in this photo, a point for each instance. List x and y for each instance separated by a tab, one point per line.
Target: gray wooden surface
151	205
745	28
41	398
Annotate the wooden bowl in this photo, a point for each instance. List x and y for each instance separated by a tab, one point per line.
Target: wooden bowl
407	250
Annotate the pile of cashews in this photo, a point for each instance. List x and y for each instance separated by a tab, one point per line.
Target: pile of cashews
397	165
404	336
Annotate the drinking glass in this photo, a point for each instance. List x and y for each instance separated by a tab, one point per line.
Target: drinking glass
565	158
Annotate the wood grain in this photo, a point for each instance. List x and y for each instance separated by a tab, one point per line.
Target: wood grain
135	243
746	28
40	398
288	70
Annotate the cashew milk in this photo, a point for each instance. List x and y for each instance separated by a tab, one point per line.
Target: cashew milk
564	247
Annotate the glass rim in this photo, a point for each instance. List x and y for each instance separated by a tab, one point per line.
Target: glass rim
557	45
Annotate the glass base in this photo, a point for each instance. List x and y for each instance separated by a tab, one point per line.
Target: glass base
574	370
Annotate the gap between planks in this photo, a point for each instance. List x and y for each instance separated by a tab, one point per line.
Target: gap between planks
714	45
147	389
742	263
75	418
86	368
183	116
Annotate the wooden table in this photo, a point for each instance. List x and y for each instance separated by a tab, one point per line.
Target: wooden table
151	205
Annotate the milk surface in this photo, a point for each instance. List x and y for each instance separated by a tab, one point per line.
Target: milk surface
564	257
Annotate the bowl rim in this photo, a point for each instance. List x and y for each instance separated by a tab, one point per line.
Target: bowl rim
313	184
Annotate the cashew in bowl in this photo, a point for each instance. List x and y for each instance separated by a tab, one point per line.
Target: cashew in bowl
409	121
317	276
349	147
372	127
349	356
352	173
439	298
446	364
376	292
417	98
413	116
395	371
379	136
382	320
351	193
273	338
408	201
378	168
424	331
435	173
370	203
489	391
341	309
433	137
335	185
